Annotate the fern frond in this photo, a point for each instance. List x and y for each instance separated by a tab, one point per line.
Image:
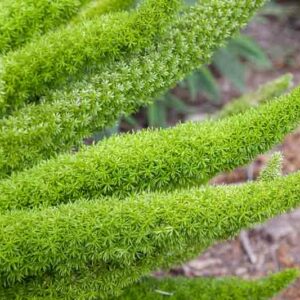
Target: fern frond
22	20
97	8
186	155
173	288
273	168
264	93
209	288
115	242
61	55
38	132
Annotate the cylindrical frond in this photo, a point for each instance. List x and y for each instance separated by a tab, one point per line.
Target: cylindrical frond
71	51
154	289
116	241
273	168
179	288
40	131
185	155
96	8
21	20
264	93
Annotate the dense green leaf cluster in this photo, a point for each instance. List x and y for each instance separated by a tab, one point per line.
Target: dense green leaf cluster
228	60
187	154
96	8
22	20
173	288
273	168
209	289
114	242
88	225
69	52
265	92
38	132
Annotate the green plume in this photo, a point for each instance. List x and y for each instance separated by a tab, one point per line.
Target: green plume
273	168
69	52
23	20
38	132
207	288
89	225
174	288
114	242
182	156
265	92
96	8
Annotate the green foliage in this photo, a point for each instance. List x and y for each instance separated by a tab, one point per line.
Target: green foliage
179	288
229	62
229	66
87	225
22	20
185	155
273	168
202	81
99	7
157	112
246	48
69	52
208	289
48	251
265	92
62	120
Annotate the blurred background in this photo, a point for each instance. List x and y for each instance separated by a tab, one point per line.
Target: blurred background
268	48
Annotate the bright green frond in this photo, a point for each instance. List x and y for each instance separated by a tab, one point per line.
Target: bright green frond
273	168
265	92
182	156
209	288
22	20
40	131
70	52
97	8
116	242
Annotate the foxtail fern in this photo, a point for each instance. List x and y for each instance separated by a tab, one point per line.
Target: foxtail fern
264	93
91	224
96	8
173	288
22	20
68	52
116	242
187	154
208	289
273	168
62	121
